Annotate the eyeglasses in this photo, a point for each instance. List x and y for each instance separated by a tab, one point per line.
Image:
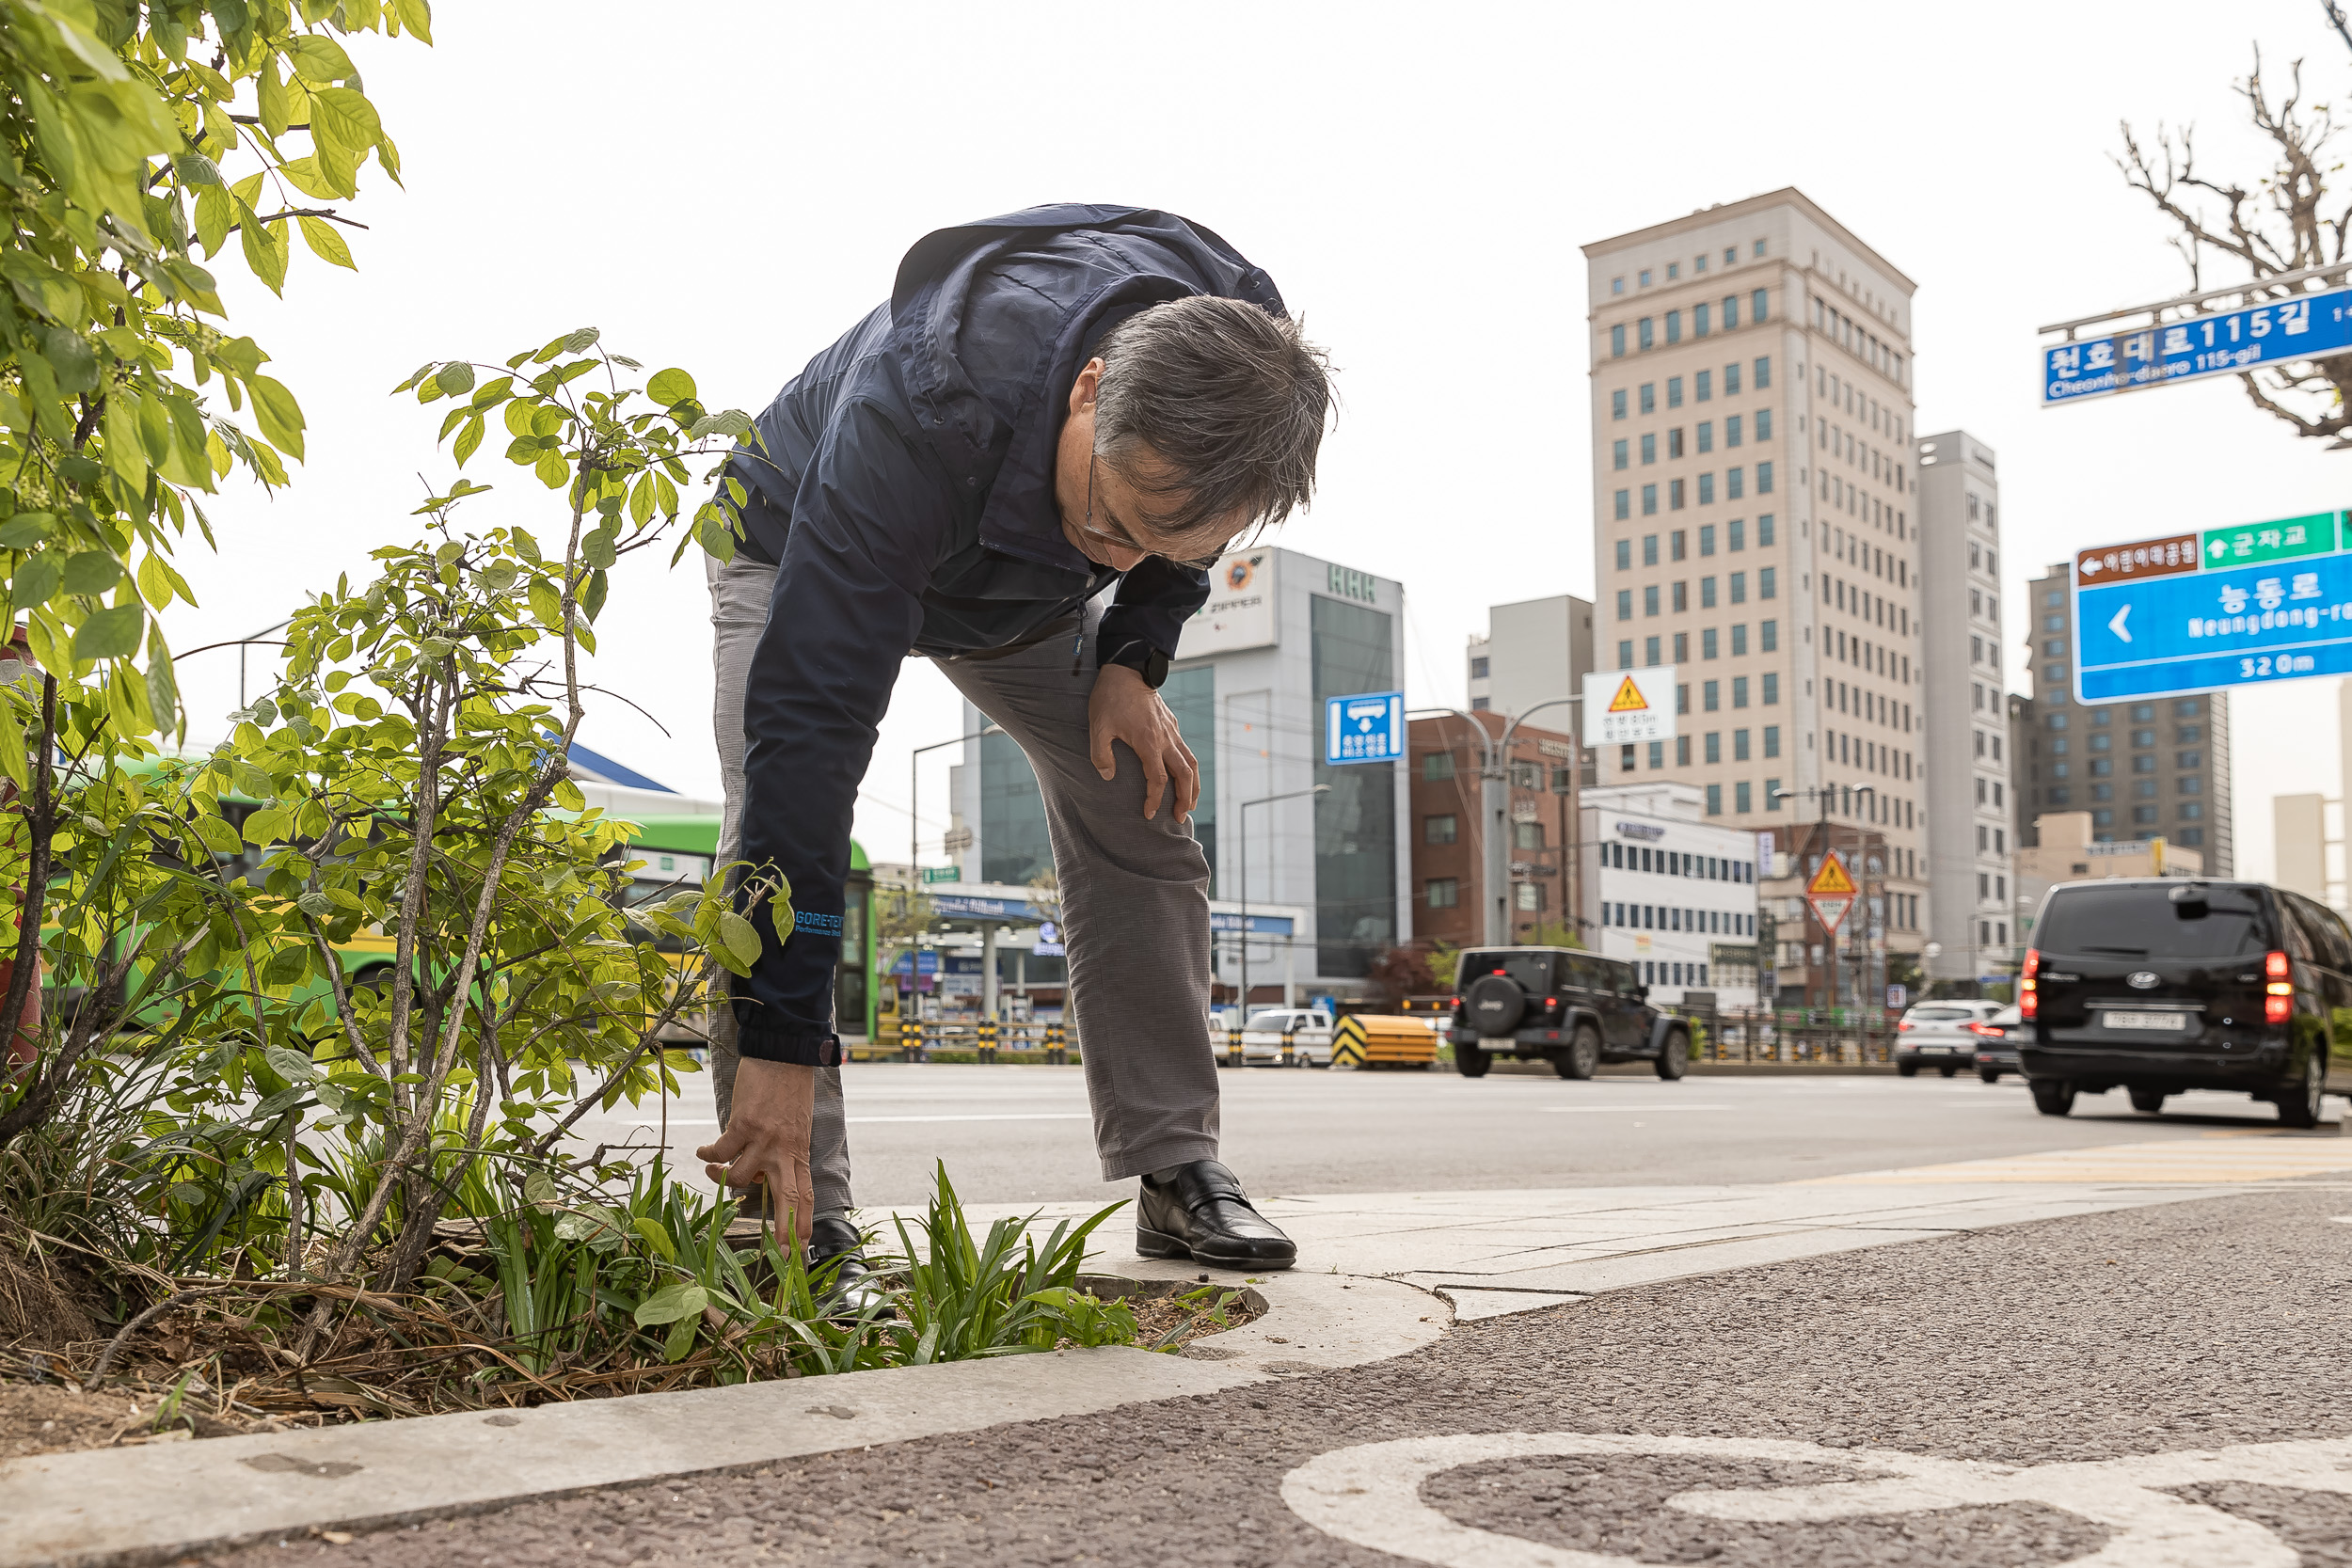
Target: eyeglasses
1126	541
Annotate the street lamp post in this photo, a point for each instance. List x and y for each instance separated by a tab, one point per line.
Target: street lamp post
914	786
1263	801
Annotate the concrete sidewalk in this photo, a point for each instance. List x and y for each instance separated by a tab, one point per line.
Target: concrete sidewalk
1381	1276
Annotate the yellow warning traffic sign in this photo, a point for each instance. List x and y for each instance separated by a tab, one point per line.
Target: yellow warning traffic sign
1628	699
1831	880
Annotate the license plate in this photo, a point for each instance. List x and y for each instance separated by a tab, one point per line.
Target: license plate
2174	1022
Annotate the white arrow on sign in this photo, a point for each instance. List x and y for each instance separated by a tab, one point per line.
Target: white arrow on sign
2116	625
2091	566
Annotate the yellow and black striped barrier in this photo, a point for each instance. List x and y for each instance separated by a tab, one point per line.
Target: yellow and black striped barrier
1373	1041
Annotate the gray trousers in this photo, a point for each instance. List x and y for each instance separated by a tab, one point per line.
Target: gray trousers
1134	901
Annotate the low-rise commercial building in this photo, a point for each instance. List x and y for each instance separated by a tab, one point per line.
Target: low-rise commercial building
2067	849
1671	892
1449	856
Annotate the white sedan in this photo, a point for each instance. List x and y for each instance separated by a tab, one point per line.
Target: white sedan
1940	1035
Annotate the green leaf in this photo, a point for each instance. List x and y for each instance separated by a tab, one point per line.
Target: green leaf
293	1066
417	16
326	244
272	95
547	605
600	548
287	967
163	681
469	439
26	530
319	59
265	248
658	1239
219	836
676	1302
280	416
111	633
742	939
70	359
453	378
670	387
215	209
92	572
552	469
14	761
539	1187
592	597
681	1337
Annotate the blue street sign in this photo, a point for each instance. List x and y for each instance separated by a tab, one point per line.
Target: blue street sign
2207	631
2296	328
2199	346
1369	727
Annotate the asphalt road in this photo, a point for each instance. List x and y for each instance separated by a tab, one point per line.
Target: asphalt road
1998	1398
1011	1134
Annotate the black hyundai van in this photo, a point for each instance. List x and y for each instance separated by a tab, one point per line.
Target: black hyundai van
2158	985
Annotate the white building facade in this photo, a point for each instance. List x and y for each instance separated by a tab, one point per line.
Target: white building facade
1672	892
1964	760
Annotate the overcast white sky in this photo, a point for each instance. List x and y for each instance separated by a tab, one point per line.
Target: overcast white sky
727	187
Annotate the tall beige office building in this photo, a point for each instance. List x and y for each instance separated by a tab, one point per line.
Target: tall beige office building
1752	427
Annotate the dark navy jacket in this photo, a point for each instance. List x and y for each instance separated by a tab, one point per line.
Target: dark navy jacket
905	492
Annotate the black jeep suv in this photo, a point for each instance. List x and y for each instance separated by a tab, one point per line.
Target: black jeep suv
1574	1009
2159	984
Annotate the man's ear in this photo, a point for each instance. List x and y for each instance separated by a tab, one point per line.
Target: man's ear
1083	390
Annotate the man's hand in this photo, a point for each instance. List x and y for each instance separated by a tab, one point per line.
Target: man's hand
766	1143
1123	709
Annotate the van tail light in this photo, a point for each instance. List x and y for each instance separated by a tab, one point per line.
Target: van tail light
2029	987
2275	967
1552	1001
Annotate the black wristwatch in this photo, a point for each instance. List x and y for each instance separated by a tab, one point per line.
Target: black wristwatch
1145	660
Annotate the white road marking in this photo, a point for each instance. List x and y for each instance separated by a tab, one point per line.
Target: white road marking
992	1115
1637	1110
1370	1495
2211	1159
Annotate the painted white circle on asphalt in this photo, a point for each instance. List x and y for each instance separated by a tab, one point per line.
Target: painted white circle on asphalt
1370	1495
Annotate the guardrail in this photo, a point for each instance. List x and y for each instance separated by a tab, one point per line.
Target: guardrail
1822	1034
929	1039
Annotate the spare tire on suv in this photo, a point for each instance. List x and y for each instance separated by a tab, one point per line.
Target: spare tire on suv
1494	1004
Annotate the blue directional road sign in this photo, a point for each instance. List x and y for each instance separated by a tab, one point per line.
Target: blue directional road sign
2178	630
1369	727
2296	328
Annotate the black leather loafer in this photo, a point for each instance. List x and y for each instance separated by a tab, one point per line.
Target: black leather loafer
837	1271
1201	1212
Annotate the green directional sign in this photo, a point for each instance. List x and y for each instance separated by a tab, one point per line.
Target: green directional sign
943	873
2252	544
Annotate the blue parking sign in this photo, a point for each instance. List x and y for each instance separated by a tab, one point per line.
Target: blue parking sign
1369	727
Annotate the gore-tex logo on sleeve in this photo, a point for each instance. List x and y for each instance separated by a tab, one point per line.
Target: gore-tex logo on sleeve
823	924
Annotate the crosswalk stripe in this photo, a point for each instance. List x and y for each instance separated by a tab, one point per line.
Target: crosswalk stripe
2217	1157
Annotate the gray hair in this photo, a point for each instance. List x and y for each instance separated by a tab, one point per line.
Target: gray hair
1228	396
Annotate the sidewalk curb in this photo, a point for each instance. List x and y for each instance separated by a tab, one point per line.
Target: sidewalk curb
129	1508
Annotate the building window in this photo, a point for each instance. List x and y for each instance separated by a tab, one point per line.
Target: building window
1625	604
1618	455
1703	386
1707	642
1624	655
1674	400
1527	835
1656	753
1763	433
1772	793
1739	690
1763	366
1731	381
1772	688
1706	489
1444	893
1699	313
1739	747
1738	639
1707	695
1674	492
1682	647
1437	766
1649	650
1480	705
1682	742
2189	784
1763	478
1479	666
1624	555
1650	599
1772	742
1625	504
1649	449
1739	800
1706	435
2190	811
1649	500
1649	550
1674	320
1617	341
2189	759
1764	531
1707	593
2143	814
1739	588
1707	539
1715	798
1617	403
1765	583
1735	532
1528	895
1733	430
1445	828
1735	483
1769	633
1646	333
